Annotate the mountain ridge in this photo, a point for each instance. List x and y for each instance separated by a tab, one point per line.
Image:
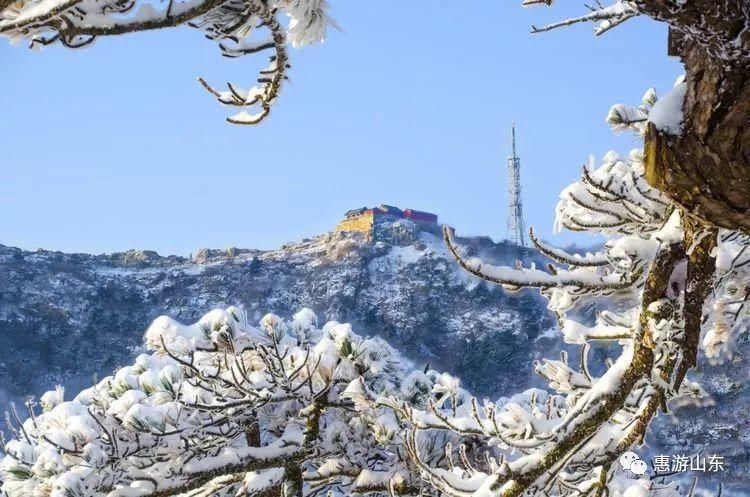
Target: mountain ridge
48	297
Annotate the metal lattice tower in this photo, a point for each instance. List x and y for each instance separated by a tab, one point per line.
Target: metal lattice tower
515	227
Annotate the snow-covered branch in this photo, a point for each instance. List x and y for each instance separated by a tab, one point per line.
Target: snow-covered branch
233	24
562	257
223	408
671	279
721	27
606	18
577	279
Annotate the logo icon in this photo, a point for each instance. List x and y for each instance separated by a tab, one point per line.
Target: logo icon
631	462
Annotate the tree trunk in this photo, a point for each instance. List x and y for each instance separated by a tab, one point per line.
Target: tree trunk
706	169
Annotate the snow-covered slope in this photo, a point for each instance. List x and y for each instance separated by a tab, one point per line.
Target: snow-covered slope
67	317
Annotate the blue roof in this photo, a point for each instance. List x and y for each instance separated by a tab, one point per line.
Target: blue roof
355	212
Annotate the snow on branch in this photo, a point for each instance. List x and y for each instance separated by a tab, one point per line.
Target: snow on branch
605	18
720	27
577	279
221	407
231	23
666	286
594	418
615	198
562	257
731	308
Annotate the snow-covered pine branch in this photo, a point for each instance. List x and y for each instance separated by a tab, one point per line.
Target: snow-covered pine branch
223	408
605	17
671	285
239	27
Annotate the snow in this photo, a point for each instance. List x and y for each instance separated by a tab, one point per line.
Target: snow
667	111
587	259
147	12
135	272
259	481
639	489
550	333
308	22
357	392
406	255
612	379
31	10
52	398
613	199
367	479
536	277
715	340
575	332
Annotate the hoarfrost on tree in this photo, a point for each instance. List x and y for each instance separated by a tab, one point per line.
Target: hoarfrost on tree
239	27
671	285
223	408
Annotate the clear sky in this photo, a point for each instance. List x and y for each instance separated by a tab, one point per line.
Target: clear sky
116	146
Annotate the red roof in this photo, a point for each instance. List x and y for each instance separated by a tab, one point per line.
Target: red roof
420	216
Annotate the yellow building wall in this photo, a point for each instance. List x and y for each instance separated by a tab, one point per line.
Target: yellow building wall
362	223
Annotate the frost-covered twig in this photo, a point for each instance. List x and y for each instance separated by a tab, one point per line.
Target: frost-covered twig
578	279
606	17
231	23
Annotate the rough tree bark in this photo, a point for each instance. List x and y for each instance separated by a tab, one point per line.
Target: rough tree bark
706	169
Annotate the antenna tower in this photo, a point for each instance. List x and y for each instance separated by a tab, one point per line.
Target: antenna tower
515	227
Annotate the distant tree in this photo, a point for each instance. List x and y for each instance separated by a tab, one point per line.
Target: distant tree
255	265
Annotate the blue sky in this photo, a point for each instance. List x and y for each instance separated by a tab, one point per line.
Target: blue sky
117	146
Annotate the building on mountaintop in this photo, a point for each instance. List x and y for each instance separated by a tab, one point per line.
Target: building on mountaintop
388	223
